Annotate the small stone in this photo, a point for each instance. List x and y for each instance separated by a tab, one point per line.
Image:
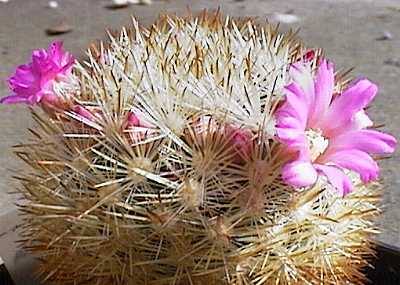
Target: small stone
146	2
394	9
392	62
53	4
118	4
289	11
286	18
59	29
386	35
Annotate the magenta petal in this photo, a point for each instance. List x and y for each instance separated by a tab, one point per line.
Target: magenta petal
324	84
296	104
288	135
285	120
358	122
13	99
299	174
291	118
288	129
24	72
24	79
64	60
301	74
356	160
35	98
337	178
34	80
345	106
370	141
39	56
56	51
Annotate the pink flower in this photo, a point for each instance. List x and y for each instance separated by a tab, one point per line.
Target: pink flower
329	132
138	127
309	55
83	112
239	138
33	82
133	120
136	119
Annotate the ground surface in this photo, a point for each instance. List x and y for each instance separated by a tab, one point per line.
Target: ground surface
347	30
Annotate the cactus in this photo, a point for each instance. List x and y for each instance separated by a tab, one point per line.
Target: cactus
158	163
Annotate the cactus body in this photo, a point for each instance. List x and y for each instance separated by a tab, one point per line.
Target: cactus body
174	175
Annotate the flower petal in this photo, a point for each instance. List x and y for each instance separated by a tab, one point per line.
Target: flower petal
291	117
337	178
63	60
324	84
288	129
301	75
361	121
299	173
56	51
12	99
353	159
358	122
133	120
345	106
370	141
296	104
83	112
24	82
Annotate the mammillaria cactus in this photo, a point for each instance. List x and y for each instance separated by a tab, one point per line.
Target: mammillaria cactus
200	151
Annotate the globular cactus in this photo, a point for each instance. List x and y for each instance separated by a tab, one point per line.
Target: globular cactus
168	157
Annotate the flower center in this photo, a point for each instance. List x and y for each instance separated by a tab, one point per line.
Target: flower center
317	143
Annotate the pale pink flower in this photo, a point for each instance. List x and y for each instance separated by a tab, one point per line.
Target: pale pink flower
329	132
133	120
136	119
33	82
138	127
240	138
83	112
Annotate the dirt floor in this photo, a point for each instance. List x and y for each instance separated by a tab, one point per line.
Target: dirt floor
364	34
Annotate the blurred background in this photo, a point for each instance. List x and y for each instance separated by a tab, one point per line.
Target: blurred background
364	34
